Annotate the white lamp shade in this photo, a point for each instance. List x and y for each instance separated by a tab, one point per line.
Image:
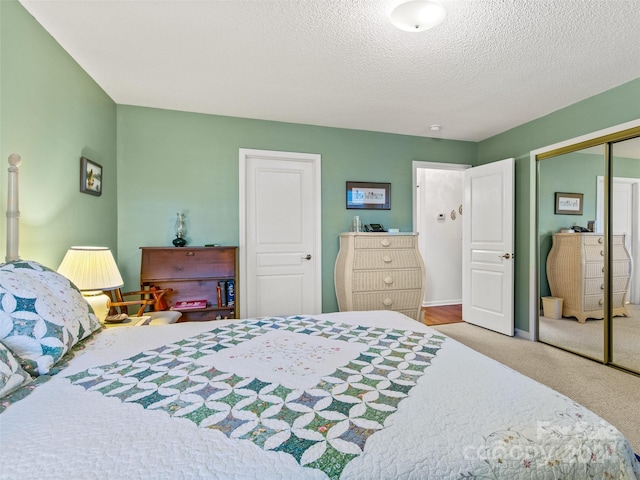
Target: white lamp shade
91	268
417	15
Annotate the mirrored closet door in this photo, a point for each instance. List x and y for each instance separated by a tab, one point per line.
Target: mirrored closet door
588	229
625	230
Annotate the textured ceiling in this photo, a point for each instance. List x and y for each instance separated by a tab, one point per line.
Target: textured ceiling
490	66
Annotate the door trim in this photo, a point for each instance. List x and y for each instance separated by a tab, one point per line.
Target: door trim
315	160
533	215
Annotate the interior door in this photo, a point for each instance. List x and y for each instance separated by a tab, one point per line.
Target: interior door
487	242
280	233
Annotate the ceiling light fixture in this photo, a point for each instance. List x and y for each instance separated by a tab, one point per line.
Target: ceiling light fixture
417	15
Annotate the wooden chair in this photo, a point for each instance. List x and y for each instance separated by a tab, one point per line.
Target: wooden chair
150	303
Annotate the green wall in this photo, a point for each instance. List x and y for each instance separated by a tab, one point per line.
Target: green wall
172	161
613	107
52	113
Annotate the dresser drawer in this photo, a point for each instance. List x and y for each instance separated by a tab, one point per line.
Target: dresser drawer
594	253
593	240
595	286
621	268
596	269
364	280
385	241
593	302
384	259
596	302
392	300
599	240
187	263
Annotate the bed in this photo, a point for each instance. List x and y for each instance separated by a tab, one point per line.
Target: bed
351	395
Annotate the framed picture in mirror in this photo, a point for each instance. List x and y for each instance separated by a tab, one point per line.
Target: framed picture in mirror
568	203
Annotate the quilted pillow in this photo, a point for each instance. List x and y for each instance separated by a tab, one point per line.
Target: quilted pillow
12	375
42	314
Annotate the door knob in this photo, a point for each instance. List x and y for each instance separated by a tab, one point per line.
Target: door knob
308	257
506	255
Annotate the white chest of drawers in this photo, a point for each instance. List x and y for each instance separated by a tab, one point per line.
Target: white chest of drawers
575	270
380	271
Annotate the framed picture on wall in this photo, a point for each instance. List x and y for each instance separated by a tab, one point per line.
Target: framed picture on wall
369	195
568	203
90	177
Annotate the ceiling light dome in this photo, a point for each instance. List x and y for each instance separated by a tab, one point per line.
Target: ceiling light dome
417	15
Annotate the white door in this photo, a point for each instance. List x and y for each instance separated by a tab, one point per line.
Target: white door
280	242
487	242
626	220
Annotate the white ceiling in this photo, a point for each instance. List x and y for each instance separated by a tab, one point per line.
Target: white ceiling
490	66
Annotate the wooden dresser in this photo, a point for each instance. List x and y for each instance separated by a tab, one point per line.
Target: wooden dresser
194	273
575	270
380	271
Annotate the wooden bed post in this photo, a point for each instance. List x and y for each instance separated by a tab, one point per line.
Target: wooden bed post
13	213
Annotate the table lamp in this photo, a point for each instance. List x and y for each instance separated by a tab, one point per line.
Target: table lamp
92	270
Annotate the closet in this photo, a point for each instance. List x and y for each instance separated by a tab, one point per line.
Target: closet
601	178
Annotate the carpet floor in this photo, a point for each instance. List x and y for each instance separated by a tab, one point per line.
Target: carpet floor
588	338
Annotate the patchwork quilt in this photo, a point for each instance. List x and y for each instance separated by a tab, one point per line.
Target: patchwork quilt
356	395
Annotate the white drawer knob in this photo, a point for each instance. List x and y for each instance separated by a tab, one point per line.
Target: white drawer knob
602	287
601	301
387	302
600	240
385	242
602	253
386	259
388	280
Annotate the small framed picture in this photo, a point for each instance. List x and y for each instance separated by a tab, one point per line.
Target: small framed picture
90	177
568	203
368	195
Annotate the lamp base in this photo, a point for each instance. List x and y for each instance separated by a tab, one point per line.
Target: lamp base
179	242
99	302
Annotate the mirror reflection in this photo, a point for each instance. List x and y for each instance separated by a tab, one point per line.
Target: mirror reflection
572	202
625	228
572	290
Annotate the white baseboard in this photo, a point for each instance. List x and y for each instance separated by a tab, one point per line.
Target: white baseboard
442	303
523	334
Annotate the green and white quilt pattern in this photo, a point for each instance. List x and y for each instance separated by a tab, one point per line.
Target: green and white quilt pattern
316	390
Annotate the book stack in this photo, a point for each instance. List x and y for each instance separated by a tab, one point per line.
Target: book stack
226	292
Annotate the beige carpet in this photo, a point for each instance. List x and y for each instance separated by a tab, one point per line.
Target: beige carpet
608	392
588	338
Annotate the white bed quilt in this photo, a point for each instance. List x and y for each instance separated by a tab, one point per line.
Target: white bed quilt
361	395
